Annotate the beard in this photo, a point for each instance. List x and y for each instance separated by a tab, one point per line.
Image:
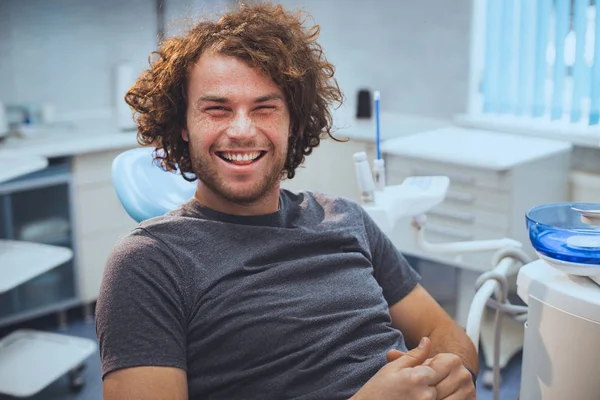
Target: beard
239	191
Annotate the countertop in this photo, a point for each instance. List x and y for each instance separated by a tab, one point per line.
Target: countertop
474	147
69	141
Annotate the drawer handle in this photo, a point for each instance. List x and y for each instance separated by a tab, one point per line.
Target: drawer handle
442	230
458	178
461	197
457	215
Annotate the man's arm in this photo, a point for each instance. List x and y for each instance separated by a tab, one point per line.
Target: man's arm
147	383
418	315
141	321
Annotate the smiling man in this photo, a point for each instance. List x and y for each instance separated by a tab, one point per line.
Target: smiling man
249	291
237	128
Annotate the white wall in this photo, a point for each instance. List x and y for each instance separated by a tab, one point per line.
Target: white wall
416	52
7	87
63	51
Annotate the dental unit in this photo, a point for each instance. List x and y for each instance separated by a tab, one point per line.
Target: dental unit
561	289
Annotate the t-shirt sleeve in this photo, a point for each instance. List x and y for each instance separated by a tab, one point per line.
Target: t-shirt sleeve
140	312
392	271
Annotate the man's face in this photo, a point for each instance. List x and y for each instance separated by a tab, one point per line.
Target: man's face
238	125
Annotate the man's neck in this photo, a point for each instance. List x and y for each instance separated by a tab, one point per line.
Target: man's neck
268	204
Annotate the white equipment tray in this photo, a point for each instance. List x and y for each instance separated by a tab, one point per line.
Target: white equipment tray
14	165
22	261
31	360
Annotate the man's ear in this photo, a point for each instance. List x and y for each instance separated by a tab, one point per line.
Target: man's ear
185	134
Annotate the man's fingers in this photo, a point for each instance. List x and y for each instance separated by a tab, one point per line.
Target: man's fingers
446	363
416	356
425	375
456	385
393	355
460	395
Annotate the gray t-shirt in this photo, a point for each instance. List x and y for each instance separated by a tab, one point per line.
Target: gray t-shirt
289	305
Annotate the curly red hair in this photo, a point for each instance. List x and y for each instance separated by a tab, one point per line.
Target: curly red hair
265	36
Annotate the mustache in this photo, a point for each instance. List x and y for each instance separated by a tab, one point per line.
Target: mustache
243	146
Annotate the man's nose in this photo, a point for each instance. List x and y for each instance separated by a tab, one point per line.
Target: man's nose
242	127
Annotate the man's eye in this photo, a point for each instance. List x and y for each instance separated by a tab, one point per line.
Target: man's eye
266	108
216	108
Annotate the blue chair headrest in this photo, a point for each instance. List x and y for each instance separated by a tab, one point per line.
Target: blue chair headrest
144	189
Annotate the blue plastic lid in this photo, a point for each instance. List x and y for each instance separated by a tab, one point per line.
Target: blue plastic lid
557	231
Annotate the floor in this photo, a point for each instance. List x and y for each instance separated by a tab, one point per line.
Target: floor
92	389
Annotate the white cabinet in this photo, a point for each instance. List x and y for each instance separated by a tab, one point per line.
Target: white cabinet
100	220
495	179
585	187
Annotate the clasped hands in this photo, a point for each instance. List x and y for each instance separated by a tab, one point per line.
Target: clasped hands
414	376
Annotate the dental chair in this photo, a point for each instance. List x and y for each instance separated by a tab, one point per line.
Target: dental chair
144	189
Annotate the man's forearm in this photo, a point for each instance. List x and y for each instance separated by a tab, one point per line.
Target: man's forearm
451	338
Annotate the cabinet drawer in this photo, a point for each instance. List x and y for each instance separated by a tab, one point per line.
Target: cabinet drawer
464	197
94	167
446	231
468	217
98	208
471	177
461	195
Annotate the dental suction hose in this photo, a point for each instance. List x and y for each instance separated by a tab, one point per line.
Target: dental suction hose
507	261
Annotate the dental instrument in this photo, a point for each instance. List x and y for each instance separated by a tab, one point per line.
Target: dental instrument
378	163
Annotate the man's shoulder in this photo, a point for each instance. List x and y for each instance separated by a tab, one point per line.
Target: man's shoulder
158	231
329	206
324	199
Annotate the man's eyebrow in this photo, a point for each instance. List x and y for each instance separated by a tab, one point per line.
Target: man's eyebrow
223	100
213	99
268	97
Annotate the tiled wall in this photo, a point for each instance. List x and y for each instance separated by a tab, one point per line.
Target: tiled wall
64	51
416	52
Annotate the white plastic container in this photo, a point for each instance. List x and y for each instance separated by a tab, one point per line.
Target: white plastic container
562	334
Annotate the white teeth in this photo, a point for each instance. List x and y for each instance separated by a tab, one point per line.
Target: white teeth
240	156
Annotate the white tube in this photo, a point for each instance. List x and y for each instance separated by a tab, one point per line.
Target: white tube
480	299
365	178
463	246
379	172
